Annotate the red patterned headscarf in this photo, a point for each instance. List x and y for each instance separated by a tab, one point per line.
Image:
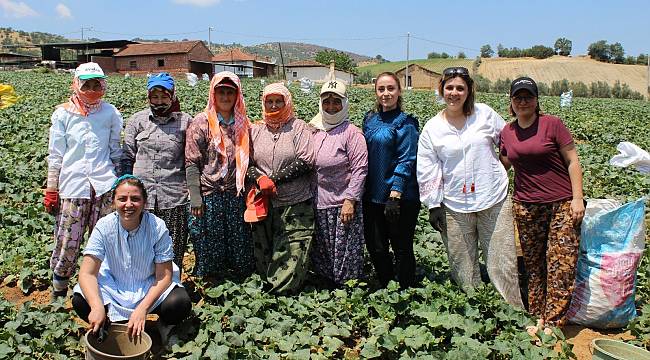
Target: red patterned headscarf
85	102
241	126
276	119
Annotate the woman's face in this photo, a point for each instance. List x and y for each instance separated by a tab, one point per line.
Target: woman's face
128	202
388	92
225	97
523	103
455	93
273	103
91	85
332	104
159	97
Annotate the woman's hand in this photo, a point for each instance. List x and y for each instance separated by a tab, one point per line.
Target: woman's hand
197	211
347	211
577	210
137	320
96	318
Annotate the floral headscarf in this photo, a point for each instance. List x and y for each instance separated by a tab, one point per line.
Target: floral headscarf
241	126
84	102
276	119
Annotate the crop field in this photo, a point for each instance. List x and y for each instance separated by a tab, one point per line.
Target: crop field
434	320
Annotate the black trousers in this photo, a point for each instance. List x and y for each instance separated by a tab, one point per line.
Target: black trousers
174	309
380	233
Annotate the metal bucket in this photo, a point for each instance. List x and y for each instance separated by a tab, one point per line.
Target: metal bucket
608	349
117	345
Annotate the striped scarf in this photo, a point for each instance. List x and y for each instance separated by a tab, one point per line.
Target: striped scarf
241	126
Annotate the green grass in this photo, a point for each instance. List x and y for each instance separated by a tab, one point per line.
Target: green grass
436	65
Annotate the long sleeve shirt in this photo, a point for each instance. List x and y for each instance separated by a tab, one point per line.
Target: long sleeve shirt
85	151
341	165
451	159
202	152
155	151
273	151
392	139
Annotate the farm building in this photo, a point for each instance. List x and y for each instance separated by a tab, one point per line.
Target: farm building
173	57
314	71
100	52
11	60
243	64
419	77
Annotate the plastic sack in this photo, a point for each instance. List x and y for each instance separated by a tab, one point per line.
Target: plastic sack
306	84
205	77
566	98
439	99
611	245
630	154
192	79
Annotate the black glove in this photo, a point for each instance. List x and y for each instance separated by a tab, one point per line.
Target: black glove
391	211
437	218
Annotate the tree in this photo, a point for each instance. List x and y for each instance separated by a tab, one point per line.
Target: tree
380	59
563	46
342	61
539	52
501	51
642	59
599	50
486	51
617	53
364	77
461	55
434	55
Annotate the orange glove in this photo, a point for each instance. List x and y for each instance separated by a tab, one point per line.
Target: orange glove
51	202
266	185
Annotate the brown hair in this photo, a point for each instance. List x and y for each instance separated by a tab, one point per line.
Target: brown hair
468	106
131	180
378	106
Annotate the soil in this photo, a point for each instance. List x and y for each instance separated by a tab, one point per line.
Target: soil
581	338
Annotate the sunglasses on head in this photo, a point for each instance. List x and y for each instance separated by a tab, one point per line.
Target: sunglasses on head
456	70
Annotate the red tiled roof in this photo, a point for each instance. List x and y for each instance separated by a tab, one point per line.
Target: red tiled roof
178	47
305	63
234	55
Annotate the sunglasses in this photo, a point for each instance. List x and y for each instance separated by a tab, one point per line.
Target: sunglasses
456	70
522	98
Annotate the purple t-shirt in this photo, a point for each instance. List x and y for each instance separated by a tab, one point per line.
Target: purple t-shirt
541	176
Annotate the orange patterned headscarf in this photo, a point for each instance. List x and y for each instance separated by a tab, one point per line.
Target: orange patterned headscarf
241	126
276	119
84	102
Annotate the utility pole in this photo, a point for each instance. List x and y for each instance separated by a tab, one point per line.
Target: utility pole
210	37
284	71
82	31
408	39
648	89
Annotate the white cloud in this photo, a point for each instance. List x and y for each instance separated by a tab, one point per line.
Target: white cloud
63	11
202	3
16	9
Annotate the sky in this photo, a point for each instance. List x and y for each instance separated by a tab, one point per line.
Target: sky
361	26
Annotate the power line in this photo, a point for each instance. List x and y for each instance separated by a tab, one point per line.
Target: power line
285	38
446	44
149	35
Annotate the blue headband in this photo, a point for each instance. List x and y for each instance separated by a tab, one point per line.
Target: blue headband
122	178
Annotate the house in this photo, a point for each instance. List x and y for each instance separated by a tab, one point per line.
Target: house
314	71
243	64
419	77
173	57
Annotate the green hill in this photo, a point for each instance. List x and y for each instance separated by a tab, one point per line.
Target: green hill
436	65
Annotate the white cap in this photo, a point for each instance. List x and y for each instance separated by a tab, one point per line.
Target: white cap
89	70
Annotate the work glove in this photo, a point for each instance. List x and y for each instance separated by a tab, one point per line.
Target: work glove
437	218
266	185
391	210
51	201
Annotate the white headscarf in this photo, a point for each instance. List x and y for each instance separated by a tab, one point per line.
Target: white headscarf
327	122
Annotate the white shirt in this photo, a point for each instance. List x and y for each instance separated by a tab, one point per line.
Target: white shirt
128	261
85	150
450	159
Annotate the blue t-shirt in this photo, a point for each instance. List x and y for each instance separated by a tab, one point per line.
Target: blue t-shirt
392	139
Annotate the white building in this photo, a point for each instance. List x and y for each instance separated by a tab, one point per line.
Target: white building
315	72
243	64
